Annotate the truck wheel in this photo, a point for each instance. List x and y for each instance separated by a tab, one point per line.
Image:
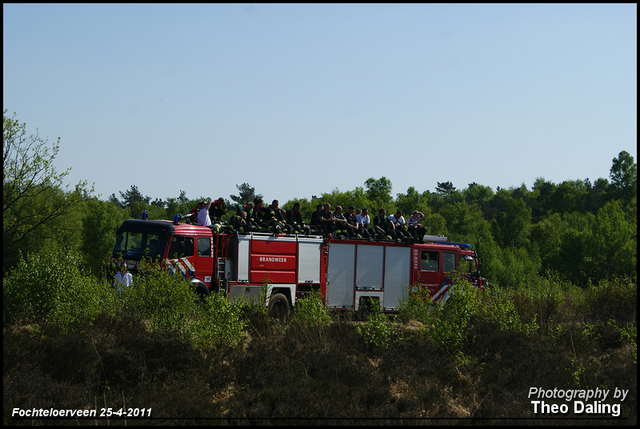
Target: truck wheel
279	307
202	292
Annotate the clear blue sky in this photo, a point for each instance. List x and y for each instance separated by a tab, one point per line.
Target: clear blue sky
297	100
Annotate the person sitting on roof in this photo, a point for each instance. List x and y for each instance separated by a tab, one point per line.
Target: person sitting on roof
354	229
217	210
203	213
383	227
272	216
340	223
295	221
414	227
252	217
399	224
326	220
239	221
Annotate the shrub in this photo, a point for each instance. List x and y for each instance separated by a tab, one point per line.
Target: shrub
416	306
218	322
376	330
166	300
541	299
612	299
450	326
310	311
170	304
500	310
51	286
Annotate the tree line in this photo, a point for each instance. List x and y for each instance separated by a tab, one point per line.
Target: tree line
581	231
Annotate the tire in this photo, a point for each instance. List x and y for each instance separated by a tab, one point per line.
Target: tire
279	307
202	292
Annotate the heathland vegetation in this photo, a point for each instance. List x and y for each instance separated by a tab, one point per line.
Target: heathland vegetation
561	312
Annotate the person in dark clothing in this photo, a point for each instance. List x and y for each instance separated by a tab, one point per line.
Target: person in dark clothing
383	227
315	221
353	228
251	217
295	221
340	223
326	220
272	216
314	216
217	210
239	221
258	215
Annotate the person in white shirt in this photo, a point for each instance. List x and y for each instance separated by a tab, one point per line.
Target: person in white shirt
397	218
123	278
415	229
203	213
398	221
364	221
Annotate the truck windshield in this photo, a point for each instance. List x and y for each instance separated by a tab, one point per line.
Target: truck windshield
138	245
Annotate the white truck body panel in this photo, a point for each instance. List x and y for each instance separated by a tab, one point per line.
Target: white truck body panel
309	265
367	270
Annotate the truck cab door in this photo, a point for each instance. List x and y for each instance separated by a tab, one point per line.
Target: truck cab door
204	260
180	258
430	270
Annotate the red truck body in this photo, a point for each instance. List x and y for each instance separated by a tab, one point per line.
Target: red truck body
345	272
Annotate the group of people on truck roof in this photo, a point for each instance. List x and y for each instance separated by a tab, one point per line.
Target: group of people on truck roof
256	217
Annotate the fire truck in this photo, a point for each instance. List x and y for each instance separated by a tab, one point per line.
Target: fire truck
280	269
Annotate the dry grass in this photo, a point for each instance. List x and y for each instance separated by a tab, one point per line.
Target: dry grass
295	374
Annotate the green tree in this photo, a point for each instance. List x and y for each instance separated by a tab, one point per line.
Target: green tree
465	223
247	194
357	198
597	194
614	244
574	260
624	177
480	195
445	188
511	224
180	205
51	285
134	201
379	193
99	227
33	199
546	239
540	194
412	200
569	196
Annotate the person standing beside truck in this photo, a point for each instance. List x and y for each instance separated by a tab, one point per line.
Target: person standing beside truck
123	278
